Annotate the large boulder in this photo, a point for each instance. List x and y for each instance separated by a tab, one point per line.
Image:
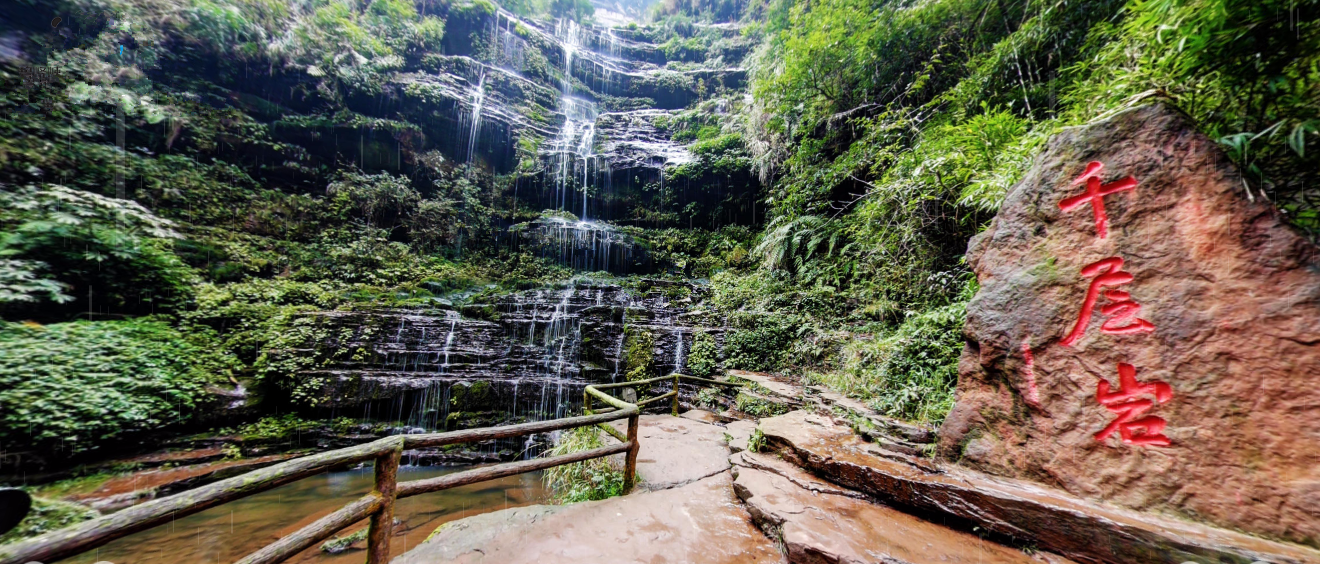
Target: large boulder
1192	387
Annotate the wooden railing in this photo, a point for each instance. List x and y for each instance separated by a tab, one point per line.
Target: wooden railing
377	505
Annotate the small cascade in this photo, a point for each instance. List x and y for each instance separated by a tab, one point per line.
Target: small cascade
584	245
449	341
522	357
679	354
618	353
510	49
478	96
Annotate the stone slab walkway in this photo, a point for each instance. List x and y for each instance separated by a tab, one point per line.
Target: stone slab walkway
701	522
697	503
676	451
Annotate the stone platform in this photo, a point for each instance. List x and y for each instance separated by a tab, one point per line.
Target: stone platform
686	510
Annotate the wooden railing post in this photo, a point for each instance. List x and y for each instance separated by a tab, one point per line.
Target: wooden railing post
586	402
382	522
630	466
674	410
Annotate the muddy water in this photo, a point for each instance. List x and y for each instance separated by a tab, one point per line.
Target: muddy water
222	535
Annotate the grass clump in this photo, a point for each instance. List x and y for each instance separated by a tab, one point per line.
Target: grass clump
759	407
710	398
589	480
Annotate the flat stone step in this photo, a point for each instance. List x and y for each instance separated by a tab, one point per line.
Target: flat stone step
1051	519
676	451
779	388
820	522
701	522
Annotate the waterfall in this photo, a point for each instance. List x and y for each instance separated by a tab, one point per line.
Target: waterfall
510	49
478	97
618	355
577	137
678	350
449	341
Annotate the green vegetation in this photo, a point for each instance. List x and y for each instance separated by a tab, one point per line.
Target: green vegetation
710	398
756	442
758	406
703	359
909	374
77	386
582	481
48	515
639	352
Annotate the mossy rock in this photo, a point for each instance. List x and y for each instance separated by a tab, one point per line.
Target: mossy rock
48	515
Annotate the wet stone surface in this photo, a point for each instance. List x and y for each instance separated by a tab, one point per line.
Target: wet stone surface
820	522
701	522
1051	519
677	451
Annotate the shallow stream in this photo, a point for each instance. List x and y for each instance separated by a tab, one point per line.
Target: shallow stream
225	534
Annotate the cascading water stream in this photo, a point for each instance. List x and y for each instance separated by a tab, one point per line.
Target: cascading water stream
679	353
478	97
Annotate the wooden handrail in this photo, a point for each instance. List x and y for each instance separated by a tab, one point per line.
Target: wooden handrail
318	531
377	505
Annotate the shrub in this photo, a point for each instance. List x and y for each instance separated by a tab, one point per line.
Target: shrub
381	199
909	374
703	360
588	480
76	386
759	349
61	244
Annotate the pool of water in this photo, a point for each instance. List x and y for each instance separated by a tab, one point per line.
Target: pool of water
224	534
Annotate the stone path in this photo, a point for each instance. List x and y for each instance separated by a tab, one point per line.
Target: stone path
699	522
698	503
685	512
676	451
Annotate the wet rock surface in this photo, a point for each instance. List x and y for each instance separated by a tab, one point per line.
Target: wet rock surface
677	451
1053	520
739	433
132	489
1219	398
820	522
523	356
701	522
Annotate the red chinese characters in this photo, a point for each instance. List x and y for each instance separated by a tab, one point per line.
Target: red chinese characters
1122	311
1095	194
1132	399
1129	405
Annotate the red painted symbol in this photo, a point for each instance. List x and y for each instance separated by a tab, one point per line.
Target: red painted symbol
1033	393
1121	309
1132	428
1095	193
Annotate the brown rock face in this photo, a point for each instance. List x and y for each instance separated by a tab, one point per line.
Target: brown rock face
1192	387
1084	531
818	522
